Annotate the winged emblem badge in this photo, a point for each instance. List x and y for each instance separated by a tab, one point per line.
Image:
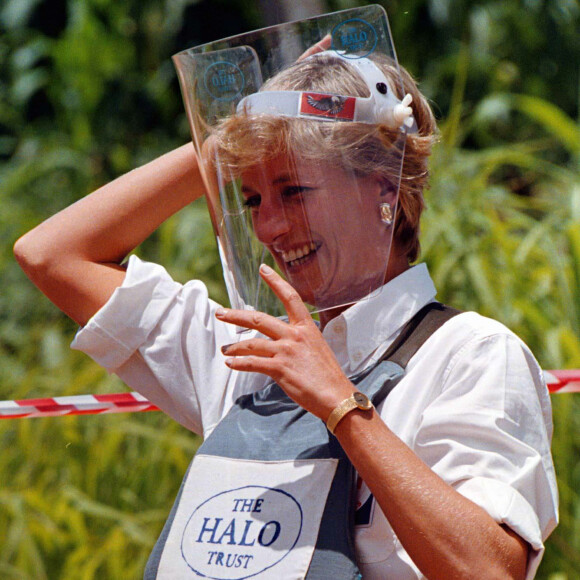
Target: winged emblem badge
331	104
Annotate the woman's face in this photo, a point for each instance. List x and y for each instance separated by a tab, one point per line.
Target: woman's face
323	227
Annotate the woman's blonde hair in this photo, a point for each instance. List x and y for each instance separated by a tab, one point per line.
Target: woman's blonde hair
243	140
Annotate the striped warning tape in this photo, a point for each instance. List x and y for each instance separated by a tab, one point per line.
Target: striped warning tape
566	381
559	381
75	405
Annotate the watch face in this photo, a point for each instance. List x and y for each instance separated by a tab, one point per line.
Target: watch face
362	401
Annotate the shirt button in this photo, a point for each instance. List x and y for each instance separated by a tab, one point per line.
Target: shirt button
357	356
338	328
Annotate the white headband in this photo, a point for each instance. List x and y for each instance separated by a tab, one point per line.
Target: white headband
381	107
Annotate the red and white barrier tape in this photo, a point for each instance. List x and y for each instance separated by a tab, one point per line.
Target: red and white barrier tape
567	381
76	405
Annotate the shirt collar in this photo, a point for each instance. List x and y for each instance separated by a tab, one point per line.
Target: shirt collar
375	322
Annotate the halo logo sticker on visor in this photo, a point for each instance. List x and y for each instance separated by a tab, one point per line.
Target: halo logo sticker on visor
224	80
354	38
239	533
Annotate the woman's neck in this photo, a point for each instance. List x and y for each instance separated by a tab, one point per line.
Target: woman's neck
396	267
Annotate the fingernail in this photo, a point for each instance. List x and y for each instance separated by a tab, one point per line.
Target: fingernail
266	269
229	361
221	312
225	348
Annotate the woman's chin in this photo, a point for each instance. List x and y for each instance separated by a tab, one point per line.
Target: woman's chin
322	298
328	291
346	294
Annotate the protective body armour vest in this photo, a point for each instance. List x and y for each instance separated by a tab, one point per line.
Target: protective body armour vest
264	429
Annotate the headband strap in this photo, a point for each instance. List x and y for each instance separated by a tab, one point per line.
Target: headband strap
381	107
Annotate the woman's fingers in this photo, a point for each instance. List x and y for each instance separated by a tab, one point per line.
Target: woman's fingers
254	347
269	325
320	46
295	308
255	364
264	323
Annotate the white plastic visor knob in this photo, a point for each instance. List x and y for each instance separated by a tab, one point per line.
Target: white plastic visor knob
402	112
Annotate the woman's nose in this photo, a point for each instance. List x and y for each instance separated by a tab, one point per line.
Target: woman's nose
271	222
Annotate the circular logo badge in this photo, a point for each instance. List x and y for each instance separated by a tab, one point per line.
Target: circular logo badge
354	38
224	80
241	532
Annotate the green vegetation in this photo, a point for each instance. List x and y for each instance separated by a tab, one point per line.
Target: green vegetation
87	92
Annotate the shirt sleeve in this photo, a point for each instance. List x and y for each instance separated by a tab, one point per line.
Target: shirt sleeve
163	340
488	434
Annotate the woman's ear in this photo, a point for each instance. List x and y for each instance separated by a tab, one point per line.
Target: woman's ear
388	191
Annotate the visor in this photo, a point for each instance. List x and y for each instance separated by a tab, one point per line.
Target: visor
301	136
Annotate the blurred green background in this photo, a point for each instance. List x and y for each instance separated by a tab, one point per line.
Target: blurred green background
88	91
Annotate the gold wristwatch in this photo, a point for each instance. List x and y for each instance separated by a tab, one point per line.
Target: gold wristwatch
357	400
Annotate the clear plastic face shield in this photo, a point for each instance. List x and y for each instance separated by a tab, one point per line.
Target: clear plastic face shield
301	140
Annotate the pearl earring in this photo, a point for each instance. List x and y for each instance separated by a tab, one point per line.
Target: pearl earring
386	213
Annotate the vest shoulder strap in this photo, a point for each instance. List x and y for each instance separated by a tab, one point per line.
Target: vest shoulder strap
415	333
411	338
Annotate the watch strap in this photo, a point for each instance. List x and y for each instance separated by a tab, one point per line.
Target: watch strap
357	400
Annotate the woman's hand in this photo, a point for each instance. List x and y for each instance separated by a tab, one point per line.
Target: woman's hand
295	355
320	46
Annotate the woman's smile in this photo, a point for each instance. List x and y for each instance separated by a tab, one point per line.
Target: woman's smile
298	256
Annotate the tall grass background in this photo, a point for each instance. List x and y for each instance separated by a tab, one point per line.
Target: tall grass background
87	92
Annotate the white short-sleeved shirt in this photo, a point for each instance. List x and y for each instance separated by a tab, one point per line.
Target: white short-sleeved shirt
472	404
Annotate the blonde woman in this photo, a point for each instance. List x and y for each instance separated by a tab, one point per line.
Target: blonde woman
448	477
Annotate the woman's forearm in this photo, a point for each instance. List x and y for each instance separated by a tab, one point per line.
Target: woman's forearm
445	534
74	257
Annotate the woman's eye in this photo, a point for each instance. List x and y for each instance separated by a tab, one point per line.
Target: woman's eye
253	201
292	190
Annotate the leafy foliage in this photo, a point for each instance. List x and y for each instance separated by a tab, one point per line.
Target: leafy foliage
87	92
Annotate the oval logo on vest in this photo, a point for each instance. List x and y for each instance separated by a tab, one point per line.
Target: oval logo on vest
241	532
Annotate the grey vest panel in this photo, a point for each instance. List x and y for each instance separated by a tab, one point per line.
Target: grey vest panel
268	425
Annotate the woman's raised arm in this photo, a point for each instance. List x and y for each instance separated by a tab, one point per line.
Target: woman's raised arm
74	257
